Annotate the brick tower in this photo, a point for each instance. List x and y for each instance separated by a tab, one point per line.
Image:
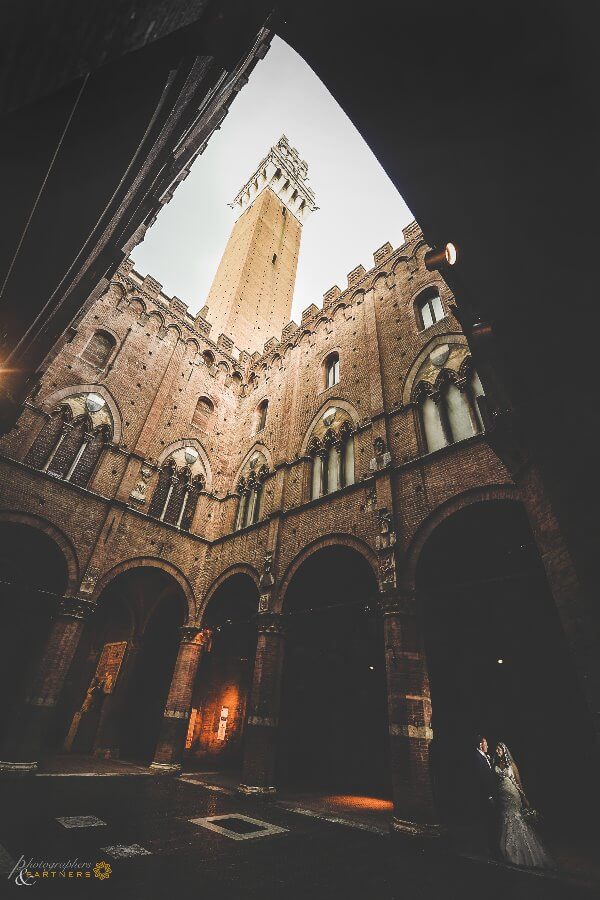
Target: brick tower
250	299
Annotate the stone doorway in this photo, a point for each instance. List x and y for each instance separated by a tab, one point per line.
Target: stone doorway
215	739
33	576
333	733
499	665
115	695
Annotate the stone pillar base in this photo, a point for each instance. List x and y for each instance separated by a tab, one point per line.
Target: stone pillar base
166	768
256	790
17	768
415	829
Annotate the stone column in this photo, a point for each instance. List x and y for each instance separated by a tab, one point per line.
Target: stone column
409	713
171	742
258	771
25	741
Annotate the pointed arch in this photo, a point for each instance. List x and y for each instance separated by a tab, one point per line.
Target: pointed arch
447	509
189	442
257	447
50	403
143	307
332	401
335	539
59	537
237	569
152	562
448	337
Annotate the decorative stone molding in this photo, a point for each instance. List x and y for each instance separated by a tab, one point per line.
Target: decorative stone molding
76	607
89	581
387	533
194	634
398	604
387	570
271	623
139	492
266	578
252	481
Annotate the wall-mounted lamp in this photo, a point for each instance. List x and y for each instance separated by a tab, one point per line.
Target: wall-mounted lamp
441	259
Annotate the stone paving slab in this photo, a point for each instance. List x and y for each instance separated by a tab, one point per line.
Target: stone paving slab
314	860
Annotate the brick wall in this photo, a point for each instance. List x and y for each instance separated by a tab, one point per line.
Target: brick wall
159	371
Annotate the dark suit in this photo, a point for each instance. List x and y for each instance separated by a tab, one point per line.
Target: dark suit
485	796
486	781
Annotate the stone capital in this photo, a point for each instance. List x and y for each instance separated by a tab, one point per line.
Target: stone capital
194	634
75	608
270	623
397	603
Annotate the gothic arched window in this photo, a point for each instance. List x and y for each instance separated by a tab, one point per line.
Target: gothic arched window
261	415
332	370
99	349
332	449
450	413
428	308
70	446
176	494
250	489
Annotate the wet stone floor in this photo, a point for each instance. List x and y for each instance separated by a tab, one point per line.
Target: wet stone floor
171	838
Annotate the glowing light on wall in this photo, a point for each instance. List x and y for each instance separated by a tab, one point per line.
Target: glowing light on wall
441	259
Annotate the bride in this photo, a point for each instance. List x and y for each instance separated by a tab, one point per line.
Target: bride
518	841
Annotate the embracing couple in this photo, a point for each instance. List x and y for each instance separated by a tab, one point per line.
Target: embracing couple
504	811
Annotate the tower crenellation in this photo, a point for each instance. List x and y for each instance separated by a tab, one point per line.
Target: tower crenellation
250	299
284	173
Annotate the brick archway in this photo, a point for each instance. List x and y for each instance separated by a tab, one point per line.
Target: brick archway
332	540
59	538
238	569
443	512
145	562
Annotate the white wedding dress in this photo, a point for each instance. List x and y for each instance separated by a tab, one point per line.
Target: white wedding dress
518	842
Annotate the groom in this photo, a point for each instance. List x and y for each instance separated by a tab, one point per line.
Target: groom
485	796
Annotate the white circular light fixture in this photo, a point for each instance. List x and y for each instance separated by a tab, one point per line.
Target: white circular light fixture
190	455
500	662
441	259
94	403
451	254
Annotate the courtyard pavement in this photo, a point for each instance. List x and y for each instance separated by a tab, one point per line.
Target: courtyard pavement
152	839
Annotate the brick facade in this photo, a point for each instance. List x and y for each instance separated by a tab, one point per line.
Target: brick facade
169	385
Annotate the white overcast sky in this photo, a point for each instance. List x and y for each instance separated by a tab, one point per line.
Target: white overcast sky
359	207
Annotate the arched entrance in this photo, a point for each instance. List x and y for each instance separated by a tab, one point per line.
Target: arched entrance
115	694
33	577
224	677
498	661
333	722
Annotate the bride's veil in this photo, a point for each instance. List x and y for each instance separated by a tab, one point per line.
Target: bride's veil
510	759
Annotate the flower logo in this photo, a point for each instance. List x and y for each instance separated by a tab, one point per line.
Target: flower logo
102	870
